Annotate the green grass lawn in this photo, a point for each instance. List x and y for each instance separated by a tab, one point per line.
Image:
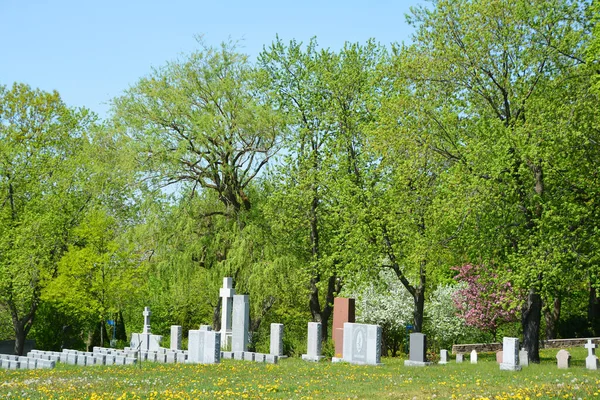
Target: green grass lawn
293	378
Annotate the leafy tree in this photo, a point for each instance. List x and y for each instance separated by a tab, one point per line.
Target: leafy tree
43	195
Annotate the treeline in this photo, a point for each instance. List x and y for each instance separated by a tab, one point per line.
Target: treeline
373	171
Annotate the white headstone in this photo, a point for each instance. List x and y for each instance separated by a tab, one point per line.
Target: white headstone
362	344
459	358
473	356
510	354
443	357
314	342
591	361
147	315
563	359
175	337
226	293
240	322
204	347
276	345
524	358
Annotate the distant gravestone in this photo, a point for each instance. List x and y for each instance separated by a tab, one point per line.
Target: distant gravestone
443	357
344	310
276	340
591	361
240	324
499	356
417	354
145	340
362	344
474	357
175	337
313	346
226	293
459	358
524	358
510	354
204	346
563	359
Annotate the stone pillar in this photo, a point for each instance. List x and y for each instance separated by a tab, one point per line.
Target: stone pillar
510	354
276	347
147	315
175	337
344	310
226	293
240	322
314	342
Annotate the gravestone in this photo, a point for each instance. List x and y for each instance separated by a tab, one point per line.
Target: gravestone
362	344
443	357
417	353
313	346
145	340
175	337
499	356
240	322
226	293
474	357
276	340
563	359
524	358
510	354
591	361
204	346
344	310
459	358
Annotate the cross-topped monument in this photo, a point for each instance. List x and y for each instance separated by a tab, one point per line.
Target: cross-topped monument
147	315
226	293
591	361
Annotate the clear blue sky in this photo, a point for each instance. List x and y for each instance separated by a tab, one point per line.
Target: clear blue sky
90	51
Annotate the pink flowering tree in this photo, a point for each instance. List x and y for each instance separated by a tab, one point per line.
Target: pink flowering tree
486	301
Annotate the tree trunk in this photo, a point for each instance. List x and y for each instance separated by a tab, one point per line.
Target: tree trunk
20	336
552	315
530	321
216	320
594	311
419	300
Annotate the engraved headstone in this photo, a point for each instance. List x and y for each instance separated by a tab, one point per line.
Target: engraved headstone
510	354
563	359
362	344
240	322
417	354
313	351
591	361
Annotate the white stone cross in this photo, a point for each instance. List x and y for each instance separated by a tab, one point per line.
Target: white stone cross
591	347
147	315
591	361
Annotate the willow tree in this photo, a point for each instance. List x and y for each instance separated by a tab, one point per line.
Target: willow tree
502	86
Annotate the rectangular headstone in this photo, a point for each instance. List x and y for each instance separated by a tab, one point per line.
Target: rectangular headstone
523	358
510	354
362	344
259	357
271	359
459	358
176	337
276	340
249	356
204	347
240	322
313	351
474	356
443	357
563	359
344	310
418	348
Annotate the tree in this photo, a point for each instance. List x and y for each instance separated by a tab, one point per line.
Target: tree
43	195
508	99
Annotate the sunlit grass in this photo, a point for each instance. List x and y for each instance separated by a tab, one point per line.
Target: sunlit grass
293	378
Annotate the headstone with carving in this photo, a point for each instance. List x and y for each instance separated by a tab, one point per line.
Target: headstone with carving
362	344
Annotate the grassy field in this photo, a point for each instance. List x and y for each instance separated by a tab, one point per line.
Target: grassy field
293	378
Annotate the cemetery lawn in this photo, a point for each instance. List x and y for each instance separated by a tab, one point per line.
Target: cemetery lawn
294	378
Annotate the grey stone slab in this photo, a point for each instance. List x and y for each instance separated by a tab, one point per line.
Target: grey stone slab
176	333
32	363
228	355
418	347
524	358
130	360
45	364
161	357
12	364
238	355
459	358
100	359
313	345
362	343
510	354
249	355
271	359
276	340
120	360
171	357
259	357
240	323
109	359
204	346
90	360
81	359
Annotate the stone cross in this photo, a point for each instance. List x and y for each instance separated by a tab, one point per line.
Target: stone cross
474	357
226	293
563	359
591	361
147	315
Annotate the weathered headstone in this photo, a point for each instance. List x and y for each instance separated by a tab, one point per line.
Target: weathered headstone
591	361
176	331
510	354
459	358
443	357
313	351
417	353
499	356
226	293
204	346
276	340
524	358
240	322
362	344
344	310
563	359
473	356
